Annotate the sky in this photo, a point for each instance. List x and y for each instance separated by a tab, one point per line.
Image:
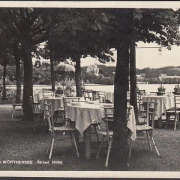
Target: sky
148	57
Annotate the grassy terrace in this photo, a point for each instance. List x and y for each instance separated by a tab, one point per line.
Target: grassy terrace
19	142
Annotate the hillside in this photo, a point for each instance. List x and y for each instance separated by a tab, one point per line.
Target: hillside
149	72
155	72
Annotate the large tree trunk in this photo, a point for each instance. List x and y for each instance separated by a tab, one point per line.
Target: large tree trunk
28	85
133	83
4	80
77	77
119	153
18	72
52	59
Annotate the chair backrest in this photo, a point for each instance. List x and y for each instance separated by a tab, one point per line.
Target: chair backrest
148	112
36	107
101	96
109	116
49	116
108	119
177	102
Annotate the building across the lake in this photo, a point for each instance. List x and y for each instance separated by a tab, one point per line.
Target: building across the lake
93	69
165	76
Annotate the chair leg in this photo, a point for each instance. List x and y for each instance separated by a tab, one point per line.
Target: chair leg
155	146
75	144
109	149
13	112
96	133
102	141
130	148
52	144
47	151
175	122
147	134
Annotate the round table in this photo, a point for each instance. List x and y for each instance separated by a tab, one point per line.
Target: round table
85	114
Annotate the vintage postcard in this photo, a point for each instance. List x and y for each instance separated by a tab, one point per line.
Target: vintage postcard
82	81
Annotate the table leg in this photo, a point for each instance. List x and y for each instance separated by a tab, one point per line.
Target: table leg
87	141
160	122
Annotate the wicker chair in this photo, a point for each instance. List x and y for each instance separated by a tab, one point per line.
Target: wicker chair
148	115
174	113
14	105
108	133
68	128
38	114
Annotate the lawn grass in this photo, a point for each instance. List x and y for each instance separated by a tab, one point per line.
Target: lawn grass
19	142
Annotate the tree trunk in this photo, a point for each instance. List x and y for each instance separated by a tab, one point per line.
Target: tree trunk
18	72
119	154
28	86
77	77
133	83
4	80
52	59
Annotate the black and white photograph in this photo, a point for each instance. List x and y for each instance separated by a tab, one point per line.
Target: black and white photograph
90	89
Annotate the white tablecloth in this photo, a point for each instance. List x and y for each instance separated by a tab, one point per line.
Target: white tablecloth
85	114
163	103
55	102
110	96
131	124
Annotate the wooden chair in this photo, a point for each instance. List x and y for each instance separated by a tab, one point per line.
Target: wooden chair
148	114
61	112
14	105
54	130
175	112
108	132
38	114
140	93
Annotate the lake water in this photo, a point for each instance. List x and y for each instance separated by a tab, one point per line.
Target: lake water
148	87
110	88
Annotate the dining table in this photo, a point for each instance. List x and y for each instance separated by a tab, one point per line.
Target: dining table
164	103
86	113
